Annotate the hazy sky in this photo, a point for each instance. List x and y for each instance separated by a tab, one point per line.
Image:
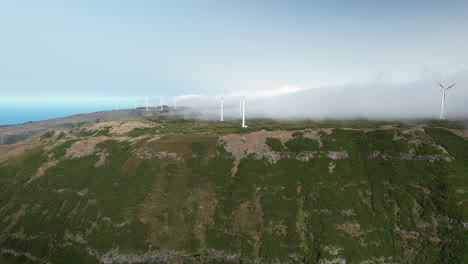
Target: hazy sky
109	49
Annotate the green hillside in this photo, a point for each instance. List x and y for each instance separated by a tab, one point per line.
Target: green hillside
161	189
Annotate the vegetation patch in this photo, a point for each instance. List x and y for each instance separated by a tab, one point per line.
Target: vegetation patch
275	144
301	143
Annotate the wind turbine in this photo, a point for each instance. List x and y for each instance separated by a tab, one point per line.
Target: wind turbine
222	118
243	111
161	104
146	103
442	103
175	103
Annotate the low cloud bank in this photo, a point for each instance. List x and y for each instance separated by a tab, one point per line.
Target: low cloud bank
373	100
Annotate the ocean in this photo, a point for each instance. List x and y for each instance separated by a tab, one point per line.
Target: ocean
11	115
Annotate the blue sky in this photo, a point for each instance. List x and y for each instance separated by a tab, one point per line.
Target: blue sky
60	50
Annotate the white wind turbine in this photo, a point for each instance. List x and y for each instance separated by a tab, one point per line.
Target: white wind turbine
146	103
243	111
161	104
442	103
175	103
222	101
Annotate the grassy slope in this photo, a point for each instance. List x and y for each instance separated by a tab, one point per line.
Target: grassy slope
392	210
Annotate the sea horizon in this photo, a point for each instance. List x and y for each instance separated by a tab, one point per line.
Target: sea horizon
16	115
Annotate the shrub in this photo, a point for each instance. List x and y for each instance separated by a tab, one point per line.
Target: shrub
275	144
299	144
200	148
298	134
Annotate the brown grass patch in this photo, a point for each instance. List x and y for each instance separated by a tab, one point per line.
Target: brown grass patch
331	166
85	146
241	145
350	228
102	159
13	152
42	169
14	219
117	127
253	143
463	133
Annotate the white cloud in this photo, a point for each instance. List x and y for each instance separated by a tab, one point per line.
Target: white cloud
285	90
379	98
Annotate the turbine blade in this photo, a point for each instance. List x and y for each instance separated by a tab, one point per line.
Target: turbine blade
440	85
450	86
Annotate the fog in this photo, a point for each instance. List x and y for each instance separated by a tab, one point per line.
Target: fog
376	99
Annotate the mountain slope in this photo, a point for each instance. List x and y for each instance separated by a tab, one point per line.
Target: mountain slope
161	189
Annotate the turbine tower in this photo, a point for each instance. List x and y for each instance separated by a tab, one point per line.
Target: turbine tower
146	103
240	106
243	111
222	114
442	103
161	104
175	103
